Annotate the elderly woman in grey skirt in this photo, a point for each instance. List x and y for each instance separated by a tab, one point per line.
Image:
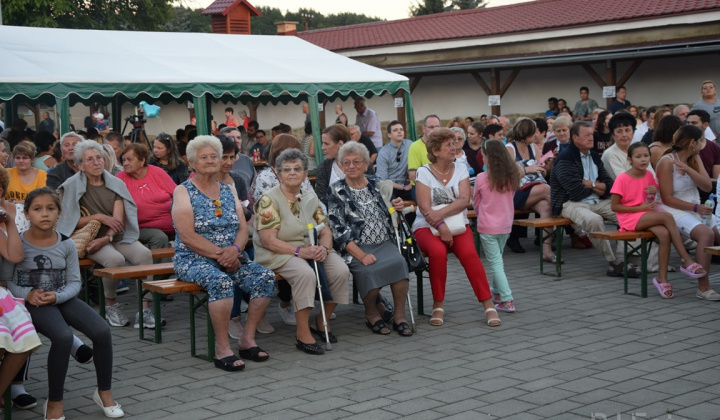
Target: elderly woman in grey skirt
363	234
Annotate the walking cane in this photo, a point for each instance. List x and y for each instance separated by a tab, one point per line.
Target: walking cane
392	210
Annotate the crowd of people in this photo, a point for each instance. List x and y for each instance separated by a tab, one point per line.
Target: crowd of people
235	231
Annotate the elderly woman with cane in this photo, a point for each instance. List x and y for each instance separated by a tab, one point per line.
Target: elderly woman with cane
283	243
208	251
362	229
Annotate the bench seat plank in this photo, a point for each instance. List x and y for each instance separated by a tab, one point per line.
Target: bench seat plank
135	271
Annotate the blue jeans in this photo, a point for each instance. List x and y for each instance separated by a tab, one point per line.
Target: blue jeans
493	246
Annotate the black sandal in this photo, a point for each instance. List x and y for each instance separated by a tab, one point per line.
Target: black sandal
313	348
253	353
228	364
378	327
321	334
403	329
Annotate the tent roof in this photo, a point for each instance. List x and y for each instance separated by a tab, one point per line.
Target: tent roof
84	64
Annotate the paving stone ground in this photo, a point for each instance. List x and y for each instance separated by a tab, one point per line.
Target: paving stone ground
577	348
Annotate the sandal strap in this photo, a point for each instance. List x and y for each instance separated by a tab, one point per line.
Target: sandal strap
491	310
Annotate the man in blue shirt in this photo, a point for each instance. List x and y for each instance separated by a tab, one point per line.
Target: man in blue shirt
392	161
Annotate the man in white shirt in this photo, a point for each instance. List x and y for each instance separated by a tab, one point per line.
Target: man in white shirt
368	121
643	128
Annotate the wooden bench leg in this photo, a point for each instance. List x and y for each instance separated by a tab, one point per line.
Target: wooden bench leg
419	275
356	294
7	410
197	302
558	234
101	297
644	248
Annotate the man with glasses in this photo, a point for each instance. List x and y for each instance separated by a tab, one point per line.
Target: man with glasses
356	134
392	161
243	166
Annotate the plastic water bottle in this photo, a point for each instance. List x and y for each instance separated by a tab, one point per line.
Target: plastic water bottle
710	203
650	198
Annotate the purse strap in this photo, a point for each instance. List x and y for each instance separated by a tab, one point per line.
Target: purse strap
447	190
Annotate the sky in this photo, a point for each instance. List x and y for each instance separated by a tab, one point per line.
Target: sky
385	9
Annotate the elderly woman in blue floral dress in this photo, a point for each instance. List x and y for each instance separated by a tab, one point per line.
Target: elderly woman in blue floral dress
363	234
208	248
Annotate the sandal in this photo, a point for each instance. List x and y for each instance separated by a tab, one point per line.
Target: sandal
552	260
435	321
253	353
665	289
493	322
694	271
228	364
321	334
379	327
403	329
313	348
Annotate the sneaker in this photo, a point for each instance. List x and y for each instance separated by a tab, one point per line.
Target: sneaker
235	328
115	316
148	319
505	306
287	315
496	298
84	354
122	287
264	327
333	316
25	401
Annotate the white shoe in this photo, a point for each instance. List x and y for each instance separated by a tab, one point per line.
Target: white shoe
264	327
148	319
235	328
115	316
45	412
114	411
287	315
333	316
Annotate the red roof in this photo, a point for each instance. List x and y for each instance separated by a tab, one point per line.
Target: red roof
531	16
224	7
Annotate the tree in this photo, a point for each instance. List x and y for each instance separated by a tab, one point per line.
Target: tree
427	7
184	19
137	15
265	25
465	5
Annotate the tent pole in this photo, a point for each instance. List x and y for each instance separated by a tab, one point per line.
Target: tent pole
315	121
201	119
116	113
410	129
63	114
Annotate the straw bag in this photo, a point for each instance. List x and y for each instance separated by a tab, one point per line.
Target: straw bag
83	236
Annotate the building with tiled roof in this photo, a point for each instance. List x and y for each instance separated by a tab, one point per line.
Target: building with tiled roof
659	49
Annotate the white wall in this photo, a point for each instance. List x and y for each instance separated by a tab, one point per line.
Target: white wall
656	82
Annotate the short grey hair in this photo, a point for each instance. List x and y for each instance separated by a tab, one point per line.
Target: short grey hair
291	155
459	130
84	146
561	121
109	156
353	148
354	127
70	134
227	129
203	141
677	109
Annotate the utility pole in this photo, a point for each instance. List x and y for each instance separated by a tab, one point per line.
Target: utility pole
0	13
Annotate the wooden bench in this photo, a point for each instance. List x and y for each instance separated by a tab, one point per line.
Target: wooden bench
645	238
137	272
542	223
87	263
712	250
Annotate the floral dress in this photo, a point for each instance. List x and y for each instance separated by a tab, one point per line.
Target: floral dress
219	227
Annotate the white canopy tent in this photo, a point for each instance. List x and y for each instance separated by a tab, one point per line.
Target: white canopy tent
67	66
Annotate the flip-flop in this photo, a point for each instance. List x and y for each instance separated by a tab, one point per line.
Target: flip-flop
253	353
692	271
491	320
663	289
228	364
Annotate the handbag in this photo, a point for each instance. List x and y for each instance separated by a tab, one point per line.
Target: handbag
83	236
532	179
409	247
456	222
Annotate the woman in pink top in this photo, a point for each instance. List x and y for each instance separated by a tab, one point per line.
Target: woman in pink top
633	199
493	202
151	188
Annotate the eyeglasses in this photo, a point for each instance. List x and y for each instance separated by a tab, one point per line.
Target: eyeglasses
296	169
218	209
93	159
355	163
399	153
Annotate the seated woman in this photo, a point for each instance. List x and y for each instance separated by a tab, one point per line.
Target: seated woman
210	237
663	137
680	173
23	177
107	200
362	233
281	244
48	278
167	157
534	192
445	183
329	171
152	190
44	159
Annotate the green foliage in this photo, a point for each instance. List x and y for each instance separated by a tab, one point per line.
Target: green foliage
138	15
185	19
466	4
265	25
427	7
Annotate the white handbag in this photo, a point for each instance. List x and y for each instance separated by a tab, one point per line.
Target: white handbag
456	222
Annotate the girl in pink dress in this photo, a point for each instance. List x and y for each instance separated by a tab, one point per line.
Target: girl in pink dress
633	199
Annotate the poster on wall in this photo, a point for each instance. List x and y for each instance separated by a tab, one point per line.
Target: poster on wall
494	100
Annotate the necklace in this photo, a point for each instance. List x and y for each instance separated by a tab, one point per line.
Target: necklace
442	173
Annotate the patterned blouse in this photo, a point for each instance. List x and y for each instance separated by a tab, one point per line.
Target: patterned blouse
268	216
